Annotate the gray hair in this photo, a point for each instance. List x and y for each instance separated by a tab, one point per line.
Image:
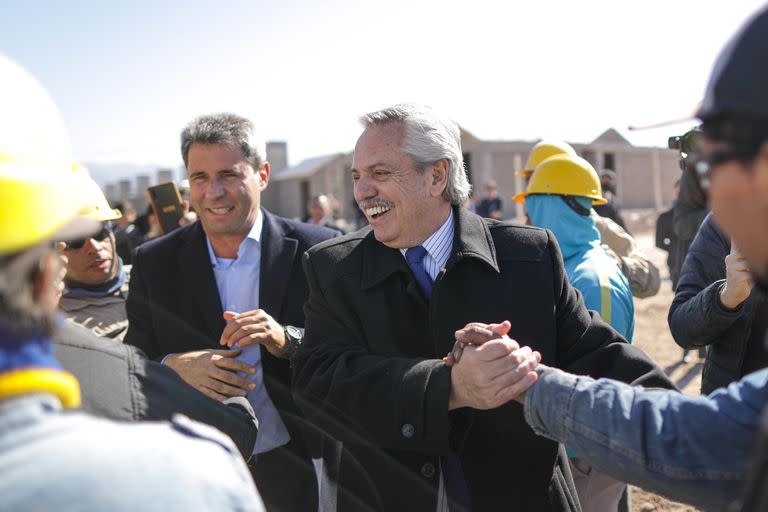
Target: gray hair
227	129
428	138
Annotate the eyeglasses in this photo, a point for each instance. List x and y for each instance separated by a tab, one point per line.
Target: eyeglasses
702	166
74	245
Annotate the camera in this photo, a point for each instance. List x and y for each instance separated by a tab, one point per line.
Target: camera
688	144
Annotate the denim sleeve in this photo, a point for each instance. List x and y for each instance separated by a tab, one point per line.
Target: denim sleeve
692	449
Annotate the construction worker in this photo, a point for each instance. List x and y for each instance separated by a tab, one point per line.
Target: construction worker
642	274
72	461
559	197
96	284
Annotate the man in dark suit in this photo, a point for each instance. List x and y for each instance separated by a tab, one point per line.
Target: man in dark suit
233	279
383	307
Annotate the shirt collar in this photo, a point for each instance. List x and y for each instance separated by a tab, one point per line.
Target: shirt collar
254	234
439	243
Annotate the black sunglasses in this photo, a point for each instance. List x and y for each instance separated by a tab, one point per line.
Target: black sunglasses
702	166
74	245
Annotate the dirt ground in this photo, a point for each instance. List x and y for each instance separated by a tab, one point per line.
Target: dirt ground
653	336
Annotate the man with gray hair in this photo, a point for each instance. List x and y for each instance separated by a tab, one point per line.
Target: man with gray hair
384	304
220	301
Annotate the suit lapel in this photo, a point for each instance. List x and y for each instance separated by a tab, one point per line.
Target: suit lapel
278	251
198	282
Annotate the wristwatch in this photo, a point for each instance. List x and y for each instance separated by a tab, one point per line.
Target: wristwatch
293	337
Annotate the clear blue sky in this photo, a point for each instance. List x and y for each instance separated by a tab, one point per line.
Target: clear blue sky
127	76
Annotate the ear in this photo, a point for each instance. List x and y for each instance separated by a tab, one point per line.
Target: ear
49	281
438	177
264	176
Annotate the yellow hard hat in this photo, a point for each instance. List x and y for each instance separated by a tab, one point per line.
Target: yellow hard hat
96	206
40	195
543	150
564	175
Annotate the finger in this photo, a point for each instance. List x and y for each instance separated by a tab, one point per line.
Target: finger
244	332
518	359
211	393
502	328
229	328
449	360
456	351
475	334
242	324
515	374
260	338
225	388
233	379
495	349
231	353
504	395
233	364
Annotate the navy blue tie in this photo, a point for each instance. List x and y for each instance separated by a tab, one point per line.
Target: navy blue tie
455	484
415	258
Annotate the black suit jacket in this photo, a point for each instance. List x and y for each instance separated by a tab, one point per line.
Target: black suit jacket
117	381
174	306
370	372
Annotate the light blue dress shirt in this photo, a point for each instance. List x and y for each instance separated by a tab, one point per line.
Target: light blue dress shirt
238	283
438	247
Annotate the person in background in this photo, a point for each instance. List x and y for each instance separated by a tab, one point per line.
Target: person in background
490	206
689	210
666	240
127	235
642	274
320	212
559	197
717	306
612	207
88	463
96	283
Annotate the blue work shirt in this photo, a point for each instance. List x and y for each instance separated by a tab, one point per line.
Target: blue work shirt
589	268
238	283
691	449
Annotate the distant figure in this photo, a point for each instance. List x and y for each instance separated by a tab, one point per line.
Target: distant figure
96	283
490	206
127	236
666	239
612	207
320	212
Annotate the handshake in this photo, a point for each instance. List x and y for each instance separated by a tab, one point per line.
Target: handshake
488	367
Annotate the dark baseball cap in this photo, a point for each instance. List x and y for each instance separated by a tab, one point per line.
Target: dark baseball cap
738	84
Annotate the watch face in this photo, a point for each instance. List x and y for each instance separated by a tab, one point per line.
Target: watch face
293	332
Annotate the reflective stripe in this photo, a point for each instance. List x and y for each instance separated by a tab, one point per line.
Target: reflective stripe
605	298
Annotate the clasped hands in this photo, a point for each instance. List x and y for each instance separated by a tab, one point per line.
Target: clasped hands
218	373
488	368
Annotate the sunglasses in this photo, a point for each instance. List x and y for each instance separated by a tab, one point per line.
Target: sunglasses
702	166
74	245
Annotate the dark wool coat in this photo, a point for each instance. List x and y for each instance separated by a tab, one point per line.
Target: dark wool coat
370	373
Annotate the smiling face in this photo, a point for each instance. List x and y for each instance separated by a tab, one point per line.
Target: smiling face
94	263
225	190
403	206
